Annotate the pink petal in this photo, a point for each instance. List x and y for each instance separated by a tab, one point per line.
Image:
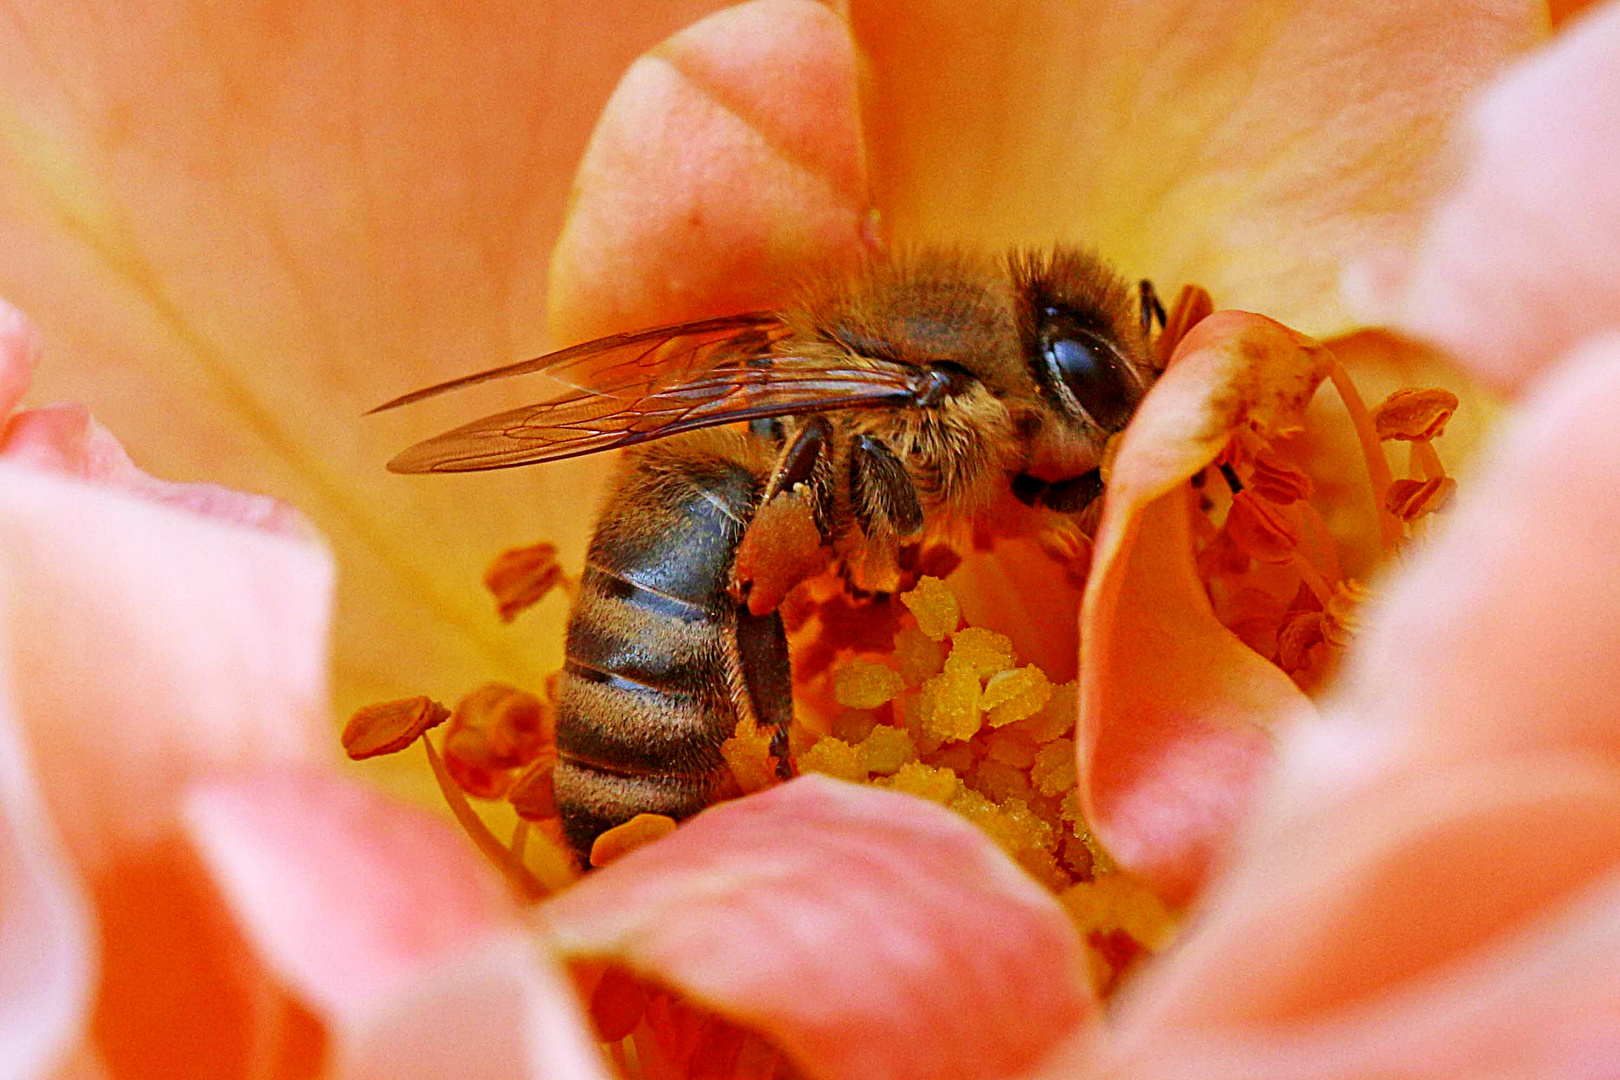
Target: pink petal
493	1011
347	894
383	919
67	439
1252	149
19	353
1175	711
1514	613
152	646
1454	924
238	234
868	934
1523	258
46	964
728	159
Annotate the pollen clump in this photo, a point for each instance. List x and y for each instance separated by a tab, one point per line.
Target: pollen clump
934	606
834	757
748	754
887	750
620	840
952	701
865	685
1015	695
1054	771
918	656
986	651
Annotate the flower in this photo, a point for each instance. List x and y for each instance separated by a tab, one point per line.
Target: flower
275	845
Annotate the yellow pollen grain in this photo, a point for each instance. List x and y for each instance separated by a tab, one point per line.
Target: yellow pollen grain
748	754
1015	695
865	685
834	757
935	607
918	656
925	781
1119	902
1055	771
887	750
1057	718
954	697
987	651
1013	747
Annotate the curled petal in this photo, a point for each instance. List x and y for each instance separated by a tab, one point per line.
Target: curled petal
1175	710
727	158
869	934
1523	259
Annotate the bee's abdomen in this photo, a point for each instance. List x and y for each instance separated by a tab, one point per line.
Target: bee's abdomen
645	701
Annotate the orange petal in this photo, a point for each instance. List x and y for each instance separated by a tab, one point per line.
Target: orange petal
1430	929
382	919
1523	259
152	646
1252	149
245	232
1175	711
728	159
45	932
1514	612
869	934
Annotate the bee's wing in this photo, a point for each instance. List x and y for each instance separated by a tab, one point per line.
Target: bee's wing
585	423
631	365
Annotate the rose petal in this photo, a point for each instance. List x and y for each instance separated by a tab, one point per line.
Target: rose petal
868	934
492	1011
46	964
19	354
244	232
1252	150
346	894
1175	711
1428	930
1523	259
728	158
156	645
1514	612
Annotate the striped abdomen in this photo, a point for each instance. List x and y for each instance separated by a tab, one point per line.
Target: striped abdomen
661	663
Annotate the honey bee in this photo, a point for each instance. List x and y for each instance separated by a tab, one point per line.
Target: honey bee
894	403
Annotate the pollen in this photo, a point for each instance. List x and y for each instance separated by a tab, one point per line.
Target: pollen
620	840
834	757
390	726
865	685
934	606
951	707
748	754
887	750
1054	770
918	656
925	781
985	651
1015	695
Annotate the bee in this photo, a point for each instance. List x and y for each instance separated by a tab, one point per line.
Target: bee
894	403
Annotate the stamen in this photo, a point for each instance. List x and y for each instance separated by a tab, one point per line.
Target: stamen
390	726
525	886
521	577
1389	529
1414	415
623	839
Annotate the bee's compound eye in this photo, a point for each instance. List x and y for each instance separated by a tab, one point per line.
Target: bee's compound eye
1092	374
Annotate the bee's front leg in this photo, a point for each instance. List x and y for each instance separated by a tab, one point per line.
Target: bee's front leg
788	539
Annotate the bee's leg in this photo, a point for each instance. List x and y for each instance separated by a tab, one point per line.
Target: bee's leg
786	542
888	511
1152	309
1074	494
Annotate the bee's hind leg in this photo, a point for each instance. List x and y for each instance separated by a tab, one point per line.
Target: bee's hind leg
787	540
